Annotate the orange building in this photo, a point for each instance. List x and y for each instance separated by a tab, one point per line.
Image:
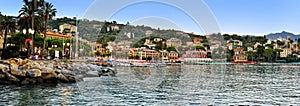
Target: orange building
173	56
240	55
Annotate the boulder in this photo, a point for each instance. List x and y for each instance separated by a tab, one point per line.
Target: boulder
18	72
12	78
2	76
108	72
22	62
71	78
4	68
92	74
34	73
35	65
14	65
62	78
50	65
50	74
13	60
47	70
67	72
79	77
25	66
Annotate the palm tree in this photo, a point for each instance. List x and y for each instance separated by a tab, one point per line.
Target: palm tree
8	25
30	10
48	13
25	18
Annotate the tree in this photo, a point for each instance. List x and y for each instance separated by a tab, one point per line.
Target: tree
149	58
30	9
17	39
97	53
25	18
48	12
169	49
268	53
277	51
269	45
8	25
251	55
259	51
199	48
137	57
280	43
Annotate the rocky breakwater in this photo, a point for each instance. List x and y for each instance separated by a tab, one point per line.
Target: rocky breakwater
18	71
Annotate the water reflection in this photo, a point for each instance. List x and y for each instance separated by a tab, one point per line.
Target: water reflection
141	73
171	85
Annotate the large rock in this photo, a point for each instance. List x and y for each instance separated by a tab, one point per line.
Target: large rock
26	66
22	62
14	65
35	65
18	72
79	77
34	73
67	72
92	74
12	78
71	78
4	68
47	70
62	78
49	74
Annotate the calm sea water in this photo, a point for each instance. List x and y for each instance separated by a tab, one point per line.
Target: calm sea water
171	85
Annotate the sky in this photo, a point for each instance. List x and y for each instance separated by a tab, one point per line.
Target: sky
244	17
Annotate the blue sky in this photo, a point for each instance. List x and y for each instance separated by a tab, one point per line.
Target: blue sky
254	17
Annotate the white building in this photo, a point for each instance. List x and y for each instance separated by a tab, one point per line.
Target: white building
285	52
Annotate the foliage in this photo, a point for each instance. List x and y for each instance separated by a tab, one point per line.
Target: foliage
7	25
268	53
103	39
169	49
280	43
47	12
292	58
97	53
10	52
54	24
200	48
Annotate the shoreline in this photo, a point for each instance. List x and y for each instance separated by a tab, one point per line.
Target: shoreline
19	71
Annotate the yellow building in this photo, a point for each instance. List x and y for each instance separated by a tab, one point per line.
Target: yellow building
53	35
164	55
144	53
285	52
67	26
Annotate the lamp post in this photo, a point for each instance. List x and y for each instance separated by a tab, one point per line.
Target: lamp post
63	48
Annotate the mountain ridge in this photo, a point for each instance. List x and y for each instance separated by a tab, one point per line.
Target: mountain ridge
283	34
